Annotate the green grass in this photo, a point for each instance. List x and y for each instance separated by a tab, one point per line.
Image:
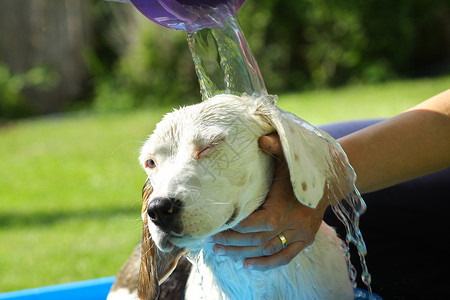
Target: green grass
362	101
70	197
70	186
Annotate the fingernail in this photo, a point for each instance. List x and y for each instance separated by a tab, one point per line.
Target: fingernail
248	266
219	250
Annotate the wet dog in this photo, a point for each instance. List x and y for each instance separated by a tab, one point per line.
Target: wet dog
206	173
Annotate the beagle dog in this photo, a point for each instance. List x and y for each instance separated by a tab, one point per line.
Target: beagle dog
206	173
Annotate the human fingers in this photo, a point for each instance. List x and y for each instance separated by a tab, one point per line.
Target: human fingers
234	238
271	143
298	223
270	247
276	215
279	201
278	259
260	220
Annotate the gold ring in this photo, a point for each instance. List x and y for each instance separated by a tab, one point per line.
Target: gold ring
283	240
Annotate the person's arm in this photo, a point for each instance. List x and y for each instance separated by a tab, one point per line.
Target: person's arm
410	145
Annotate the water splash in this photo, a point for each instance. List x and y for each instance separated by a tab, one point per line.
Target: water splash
348	211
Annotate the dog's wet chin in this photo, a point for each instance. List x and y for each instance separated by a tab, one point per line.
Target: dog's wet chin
167	241
162	240
164	243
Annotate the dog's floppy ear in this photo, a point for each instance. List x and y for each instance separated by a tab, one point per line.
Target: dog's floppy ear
155	265
310	153
148	286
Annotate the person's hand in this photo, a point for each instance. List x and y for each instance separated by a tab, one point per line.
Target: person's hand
256	237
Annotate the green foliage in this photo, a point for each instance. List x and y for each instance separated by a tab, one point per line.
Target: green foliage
12	101
156	70
332	42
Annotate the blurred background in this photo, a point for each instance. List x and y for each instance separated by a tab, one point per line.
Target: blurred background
82	83
57	56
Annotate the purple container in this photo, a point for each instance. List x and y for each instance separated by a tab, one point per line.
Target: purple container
189	15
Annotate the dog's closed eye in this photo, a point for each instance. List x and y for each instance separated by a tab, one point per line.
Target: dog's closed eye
208	149
205	151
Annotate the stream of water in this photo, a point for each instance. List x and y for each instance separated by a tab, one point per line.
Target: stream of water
224	62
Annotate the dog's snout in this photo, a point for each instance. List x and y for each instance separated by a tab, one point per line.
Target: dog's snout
164	212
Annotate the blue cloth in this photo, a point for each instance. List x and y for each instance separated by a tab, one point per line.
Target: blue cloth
406	232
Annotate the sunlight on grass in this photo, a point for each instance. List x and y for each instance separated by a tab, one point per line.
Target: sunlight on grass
70	186
70	197
362	102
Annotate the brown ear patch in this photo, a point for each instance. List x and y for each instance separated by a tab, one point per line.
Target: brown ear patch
148	286
156	266
304	186
173	288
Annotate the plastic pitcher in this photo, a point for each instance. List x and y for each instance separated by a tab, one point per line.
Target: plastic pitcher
189	15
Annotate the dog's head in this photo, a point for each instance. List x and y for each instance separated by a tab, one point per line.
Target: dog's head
206	173
206	170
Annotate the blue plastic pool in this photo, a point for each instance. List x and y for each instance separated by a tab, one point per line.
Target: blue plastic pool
95	289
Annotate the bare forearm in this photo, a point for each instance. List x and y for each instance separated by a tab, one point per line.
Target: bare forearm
412	144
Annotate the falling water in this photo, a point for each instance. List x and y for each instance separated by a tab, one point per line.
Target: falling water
348	211
223	60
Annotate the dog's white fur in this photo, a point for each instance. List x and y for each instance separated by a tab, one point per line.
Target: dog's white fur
207	155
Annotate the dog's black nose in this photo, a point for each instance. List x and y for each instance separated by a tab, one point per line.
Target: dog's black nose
164	213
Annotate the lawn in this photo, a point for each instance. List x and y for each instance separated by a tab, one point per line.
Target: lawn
70	185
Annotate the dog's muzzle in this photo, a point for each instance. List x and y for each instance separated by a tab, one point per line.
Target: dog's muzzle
165	213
